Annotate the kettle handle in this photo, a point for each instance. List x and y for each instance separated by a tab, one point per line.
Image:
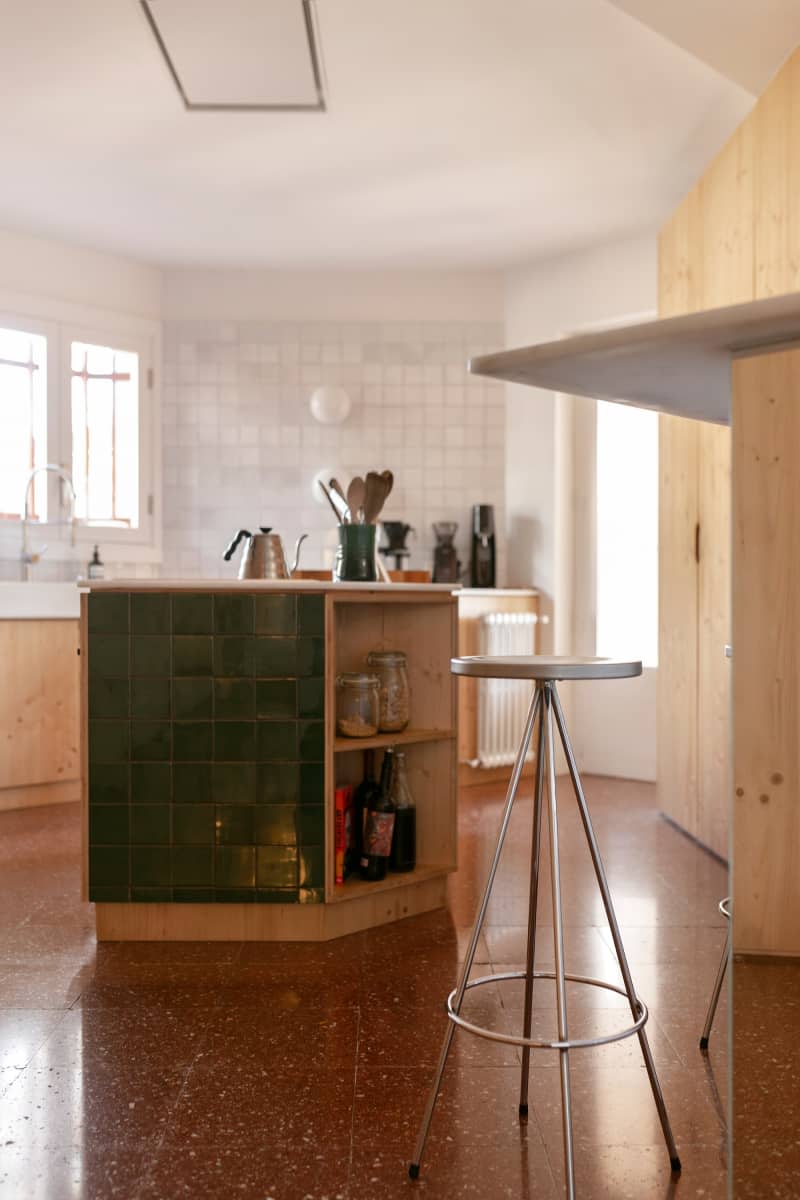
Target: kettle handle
229	553
297	546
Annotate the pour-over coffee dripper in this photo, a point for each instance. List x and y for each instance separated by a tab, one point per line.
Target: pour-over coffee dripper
446	567
396	533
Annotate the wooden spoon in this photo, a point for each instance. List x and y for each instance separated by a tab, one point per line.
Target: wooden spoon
355	499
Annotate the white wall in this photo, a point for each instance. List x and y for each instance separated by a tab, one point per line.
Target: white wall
545	301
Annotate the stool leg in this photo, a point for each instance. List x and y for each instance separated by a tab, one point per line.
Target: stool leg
513	784
600	873
712	1008
558	942
536	842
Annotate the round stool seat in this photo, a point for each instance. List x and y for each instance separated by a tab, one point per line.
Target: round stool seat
541	667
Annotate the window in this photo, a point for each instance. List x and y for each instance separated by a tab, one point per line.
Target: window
627	532
23	421
105	434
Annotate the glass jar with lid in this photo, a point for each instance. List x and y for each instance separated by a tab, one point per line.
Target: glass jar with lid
357	704
391	667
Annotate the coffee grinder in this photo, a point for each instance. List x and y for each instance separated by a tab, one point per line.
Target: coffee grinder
482	566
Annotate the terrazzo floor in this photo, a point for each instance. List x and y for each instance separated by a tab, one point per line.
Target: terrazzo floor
300	1071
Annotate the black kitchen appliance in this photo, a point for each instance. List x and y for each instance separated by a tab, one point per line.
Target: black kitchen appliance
482	566
396	548
446	567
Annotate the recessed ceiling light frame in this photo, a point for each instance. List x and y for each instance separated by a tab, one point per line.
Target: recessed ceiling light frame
194	106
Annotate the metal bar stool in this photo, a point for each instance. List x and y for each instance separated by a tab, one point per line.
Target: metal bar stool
546	706
725	909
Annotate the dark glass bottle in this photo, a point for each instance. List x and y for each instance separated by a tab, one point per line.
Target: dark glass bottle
404	842
379	826
362	798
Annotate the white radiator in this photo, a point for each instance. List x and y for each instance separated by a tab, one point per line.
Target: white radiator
503	703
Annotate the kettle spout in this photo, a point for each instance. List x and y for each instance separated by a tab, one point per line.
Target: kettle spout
297	546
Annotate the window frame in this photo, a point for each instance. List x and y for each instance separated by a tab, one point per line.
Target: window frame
63	323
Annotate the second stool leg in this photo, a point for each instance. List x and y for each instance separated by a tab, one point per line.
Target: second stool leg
712	1008
558	942
605	892
536	843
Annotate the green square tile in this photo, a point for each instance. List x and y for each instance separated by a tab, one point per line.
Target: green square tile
150	741
311	616
234	656
234	783
310	656
277	866
276	825
151	866
109	783
182	895
312	866
109	895
108	866
233	613
276	616
192	741
312	740
311	824
234	824
109	825
234	699
150	824
235	867
108	612
312	783
150	613
234	895
193	825
150	698
108	697
234	741
306	895
108	654
150	654
192	655
277	741
192	613
151	783
151	895
109	741
311	697
192	866
276	698
276	895
278	783
192	783
276	658
192	698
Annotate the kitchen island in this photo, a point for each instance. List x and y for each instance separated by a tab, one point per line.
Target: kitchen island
211	757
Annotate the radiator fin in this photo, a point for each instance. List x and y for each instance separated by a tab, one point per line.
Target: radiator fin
503	703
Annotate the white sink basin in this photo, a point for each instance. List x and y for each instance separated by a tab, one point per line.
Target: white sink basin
38	601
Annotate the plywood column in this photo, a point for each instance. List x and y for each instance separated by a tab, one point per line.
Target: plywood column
766	661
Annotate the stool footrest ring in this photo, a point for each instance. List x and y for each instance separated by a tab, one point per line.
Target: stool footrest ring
537	1043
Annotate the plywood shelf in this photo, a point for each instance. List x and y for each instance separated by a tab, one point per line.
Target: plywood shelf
681	365
355	888
343	745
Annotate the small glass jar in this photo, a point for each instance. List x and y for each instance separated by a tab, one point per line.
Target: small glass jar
391	667
357	705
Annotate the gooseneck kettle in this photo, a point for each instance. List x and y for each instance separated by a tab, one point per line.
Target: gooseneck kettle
263	556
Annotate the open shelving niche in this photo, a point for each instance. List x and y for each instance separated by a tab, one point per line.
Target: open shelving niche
426	631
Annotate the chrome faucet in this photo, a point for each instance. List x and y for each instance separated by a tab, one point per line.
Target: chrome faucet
28	557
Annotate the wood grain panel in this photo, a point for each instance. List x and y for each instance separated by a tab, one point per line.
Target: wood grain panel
39	702
766	661
726	196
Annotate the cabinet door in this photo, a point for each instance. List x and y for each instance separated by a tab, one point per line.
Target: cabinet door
678	621
714	631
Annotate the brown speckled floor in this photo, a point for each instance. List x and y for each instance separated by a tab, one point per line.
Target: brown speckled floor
297	1072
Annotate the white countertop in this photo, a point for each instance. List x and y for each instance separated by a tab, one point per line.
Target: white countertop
39	601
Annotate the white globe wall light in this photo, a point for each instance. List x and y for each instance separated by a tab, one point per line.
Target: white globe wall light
330	405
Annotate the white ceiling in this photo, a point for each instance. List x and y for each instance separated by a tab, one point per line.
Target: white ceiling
459	133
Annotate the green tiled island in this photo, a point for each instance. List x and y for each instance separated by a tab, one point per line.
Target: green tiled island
210	755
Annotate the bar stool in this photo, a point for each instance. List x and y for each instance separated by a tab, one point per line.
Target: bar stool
546	706
725	909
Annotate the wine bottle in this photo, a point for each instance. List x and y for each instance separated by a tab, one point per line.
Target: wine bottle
362	797
379	825
404	841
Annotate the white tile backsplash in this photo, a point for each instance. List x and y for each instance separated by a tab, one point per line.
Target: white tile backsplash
241	448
